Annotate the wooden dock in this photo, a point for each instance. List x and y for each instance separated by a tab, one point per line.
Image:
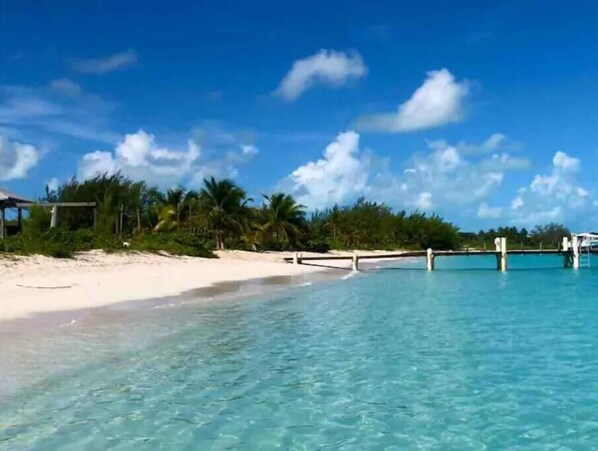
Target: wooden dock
571	253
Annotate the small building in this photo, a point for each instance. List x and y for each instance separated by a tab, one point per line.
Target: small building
8	200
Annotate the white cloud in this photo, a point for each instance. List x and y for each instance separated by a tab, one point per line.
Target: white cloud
556	196
66	87
517	203
493	142
423	201
106	64
504	161
16	159
249	149
564	162
486	211
139	157
40	113
438	101
326	67
340	175
439	178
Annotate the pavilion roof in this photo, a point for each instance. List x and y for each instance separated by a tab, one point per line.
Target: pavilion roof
8	198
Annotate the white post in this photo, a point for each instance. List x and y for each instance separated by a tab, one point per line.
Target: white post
296	258
575	246
501	256
54	218
430	259
355	262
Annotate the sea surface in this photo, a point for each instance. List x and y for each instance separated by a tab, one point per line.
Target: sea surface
461	358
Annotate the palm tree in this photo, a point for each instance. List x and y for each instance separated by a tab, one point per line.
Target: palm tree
284	219
225	207
175	198
333	220
167	219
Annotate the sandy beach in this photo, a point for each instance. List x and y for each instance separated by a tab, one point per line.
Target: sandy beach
37	284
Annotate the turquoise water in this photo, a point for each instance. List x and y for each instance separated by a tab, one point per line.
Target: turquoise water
392	359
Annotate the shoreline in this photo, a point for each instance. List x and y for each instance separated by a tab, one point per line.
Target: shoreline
34	286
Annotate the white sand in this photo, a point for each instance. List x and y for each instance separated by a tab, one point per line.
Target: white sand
38	284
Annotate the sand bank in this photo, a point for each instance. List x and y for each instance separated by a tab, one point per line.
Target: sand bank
30	285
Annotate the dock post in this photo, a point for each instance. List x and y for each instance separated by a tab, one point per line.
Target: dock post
355	262
501	255
575	249
296	258
567	260
430	259
54	218
2	223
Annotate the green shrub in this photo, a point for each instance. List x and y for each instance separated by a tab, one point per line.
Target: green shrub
175	243
317	245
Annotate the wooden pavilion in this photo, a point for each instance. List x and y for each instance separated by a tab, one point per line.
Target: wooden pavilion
8	200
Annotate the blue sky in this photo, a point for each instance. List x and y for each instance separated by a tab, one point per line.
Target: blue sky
484	113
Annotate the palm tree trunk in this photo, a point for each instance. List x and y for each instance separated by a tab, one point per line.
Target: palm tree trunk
138	220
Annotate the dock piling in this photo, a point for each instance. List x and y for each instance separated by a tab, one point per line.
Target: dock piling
355	262
54	217
430	259
575	249
501	253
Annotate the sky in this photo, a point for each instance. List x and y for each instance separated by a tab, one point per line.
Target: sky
483	112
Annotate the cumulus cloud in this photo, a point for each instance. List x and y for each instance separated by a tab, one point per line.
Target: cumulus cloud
106	64
436	179
341	173
555	196
486	211
564	162
16	159
139	156
446	177
327	67
438	101
505	161
66	87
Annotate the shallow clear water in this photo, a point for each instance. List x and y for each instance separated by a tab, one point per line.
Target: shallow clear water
394	359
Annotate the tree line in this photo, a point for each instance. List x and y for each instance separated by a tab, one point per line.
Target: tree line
548	236
221	215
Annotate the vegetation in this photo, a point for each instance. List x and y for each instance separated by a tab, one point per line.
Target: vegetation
547	236
221	215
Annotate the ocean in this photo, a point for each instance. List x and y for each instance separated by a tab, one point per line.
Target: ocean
461	358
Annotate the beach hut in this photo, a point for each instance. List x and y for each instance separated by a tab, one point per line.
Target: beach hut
8	200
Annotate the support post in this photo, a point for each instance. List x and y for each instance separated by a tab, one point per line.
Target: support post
54	218
2	224
296	259
430	259
501	253
355	262
575	249
20	220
